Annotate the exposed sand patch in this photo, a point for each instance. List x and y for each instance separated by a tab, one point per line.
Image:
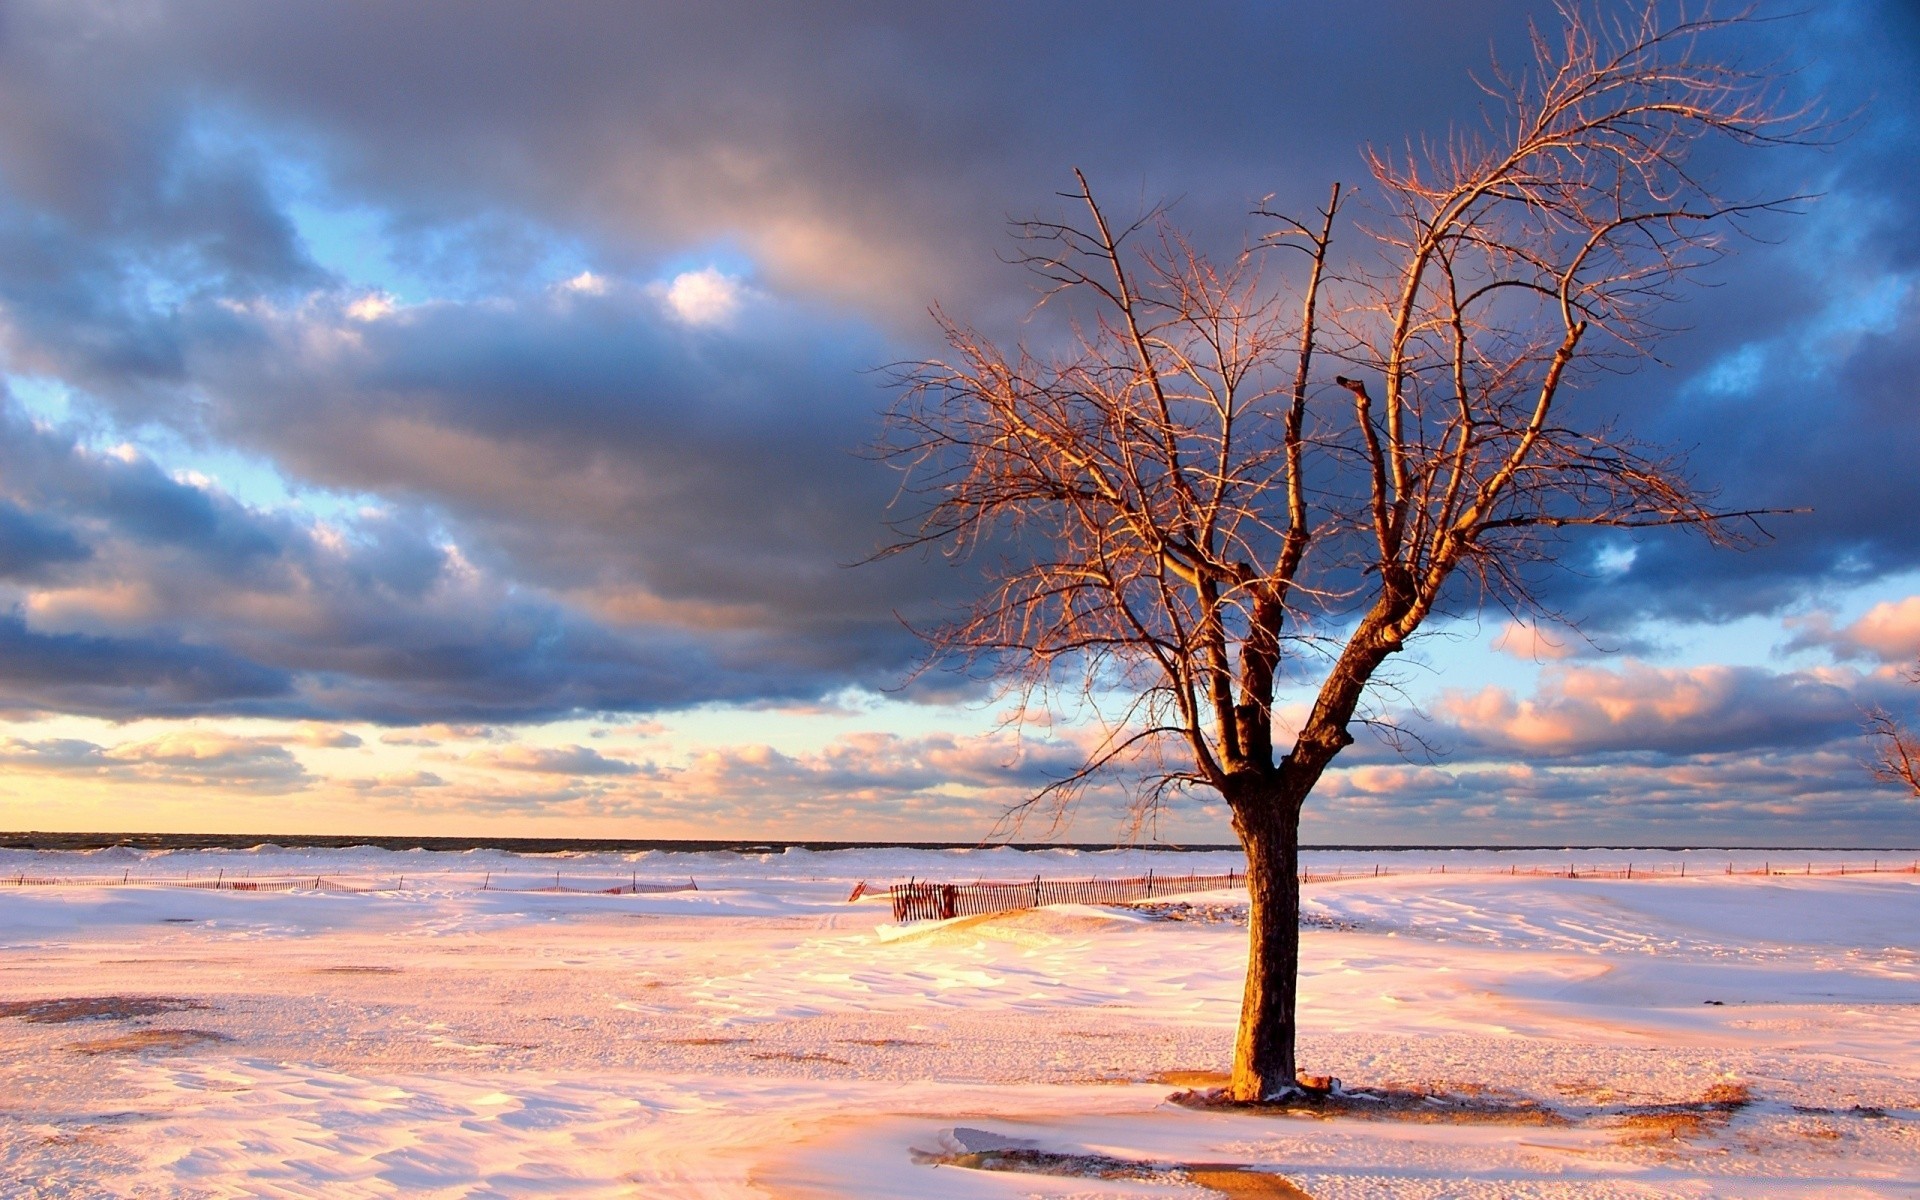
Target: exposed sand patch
1242	1183
94	1008
798	1056
1639	1125
141	1041
1463	1106
983	1150
1653	1124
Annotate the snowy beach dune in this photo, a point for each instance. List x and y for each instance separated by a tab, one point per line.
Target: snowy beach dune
1718	1035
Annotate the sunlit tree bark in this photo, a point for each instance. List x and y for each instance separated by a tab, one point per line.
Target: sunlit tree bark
1188	507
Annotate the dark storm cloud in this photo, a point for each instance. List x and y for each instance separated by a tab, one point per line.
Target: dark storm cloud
1792	386
871	150
653	512
592	442
127	677
171	598
1839	437
30	542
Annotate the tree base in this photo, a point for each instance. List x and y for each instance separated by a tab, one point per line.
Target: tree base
1478	1106
1306	1089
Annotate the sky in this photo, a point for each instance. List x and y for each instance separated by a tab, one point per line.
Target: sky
431	420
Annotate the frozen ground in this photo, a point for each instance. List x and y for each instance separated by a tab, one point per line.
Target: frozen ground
1717	1035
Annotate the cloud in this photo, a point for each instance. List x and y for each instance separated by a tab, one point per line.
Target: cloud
1580	711
393	785
586	283
551	760
1889	631
1791	796
323	737
30	544
704	297
188	601
882	780
128	676
186	758
553	492
434	735
1526	640
371	307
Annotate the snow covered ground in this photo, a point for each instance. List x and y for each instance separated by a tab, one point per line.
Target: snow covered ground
1718	1035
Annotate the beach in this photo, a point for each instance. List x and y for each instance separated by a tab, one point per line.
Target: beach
428	1024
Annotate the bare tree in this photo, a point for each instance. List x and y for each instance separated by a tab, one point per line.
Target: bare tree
1186	515
1896	750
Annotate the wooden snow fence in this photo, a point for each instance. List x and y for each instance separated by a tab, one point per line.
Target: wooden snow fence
917	901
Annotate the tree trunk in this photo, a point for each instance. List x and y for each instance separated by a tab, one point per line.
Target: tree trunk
1269	829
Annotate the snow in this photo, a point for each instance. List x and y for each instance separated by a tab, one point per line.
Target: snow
763	1037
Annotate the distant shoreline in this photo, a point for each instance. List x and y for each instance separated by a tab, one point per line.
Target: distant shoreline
247	841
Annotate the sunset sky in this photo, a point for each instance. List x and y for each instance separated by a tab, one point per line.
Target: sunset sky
449	419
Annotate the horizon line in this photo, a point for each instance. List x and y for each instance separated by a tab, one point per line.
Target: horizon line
94	840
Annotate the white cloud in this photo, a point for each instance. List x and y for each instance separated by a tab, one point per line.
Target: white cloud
371	307
704	297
